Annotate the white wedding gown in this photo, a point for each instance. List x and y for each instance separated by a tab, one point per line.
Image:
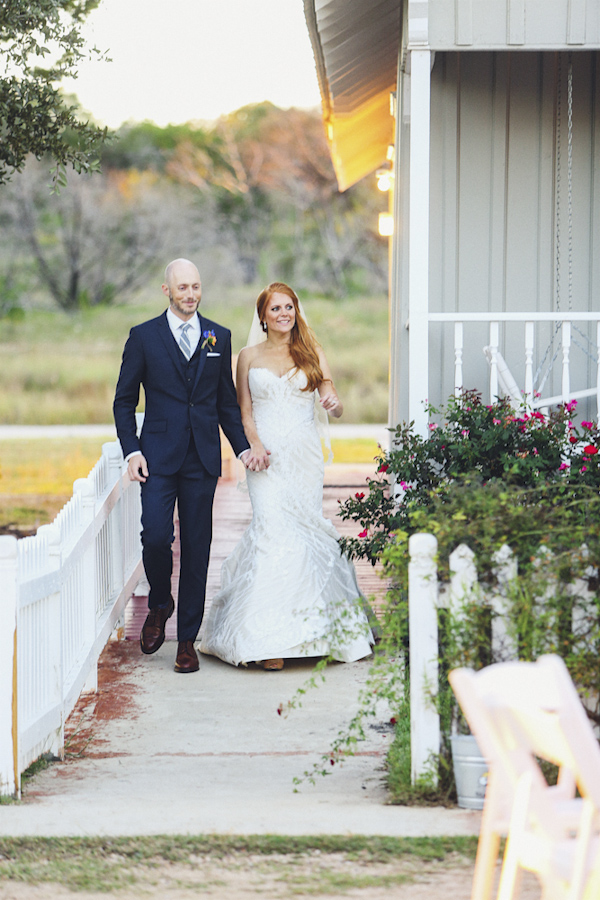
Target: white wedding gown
286	590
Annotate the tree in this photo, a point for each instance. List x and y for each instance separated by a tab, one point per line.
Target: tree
274	185
34	116
101	238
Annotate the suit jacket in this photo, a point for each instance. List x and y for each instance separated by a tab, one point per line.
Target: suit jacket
174	407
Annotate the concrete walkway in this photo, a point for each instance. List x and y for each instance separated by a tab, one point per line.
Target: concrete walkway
154	752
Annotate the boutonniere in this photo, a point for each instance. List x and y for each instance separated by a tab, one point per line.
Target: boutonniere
210	339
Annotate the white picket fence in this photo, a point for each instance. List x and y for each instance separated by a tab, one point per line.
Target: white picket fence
64	591
426	596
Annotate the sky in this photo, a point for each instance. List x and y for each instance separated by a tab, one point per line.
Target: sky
176	61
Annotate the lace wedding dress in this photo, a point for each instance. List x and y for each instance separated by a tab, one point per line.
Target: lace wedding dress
286	590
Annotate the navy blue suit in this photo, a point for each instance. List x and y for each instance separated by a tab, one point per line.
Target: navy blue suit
186	401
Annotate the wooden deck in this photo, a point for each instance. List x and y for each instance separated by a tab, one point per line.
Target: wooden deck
232	514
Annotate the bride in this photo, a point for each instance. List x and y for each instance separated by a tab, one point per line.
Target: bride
286	590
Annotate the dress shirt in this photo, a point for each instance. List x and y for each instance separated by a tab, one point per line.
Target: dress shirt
193	331
193	334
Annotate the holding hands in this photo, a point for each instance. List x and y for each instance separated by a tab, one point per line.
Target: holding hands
256	459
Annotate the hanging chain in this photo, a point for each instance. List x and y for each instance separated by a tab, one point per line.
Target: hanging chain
557	224
590	349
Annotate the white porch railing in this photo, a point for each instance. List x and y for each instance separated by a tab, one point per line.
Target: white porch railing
500	379
63	592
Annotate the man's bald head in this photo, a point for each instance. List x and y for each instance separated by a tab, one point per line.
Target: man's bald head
177	265
183	288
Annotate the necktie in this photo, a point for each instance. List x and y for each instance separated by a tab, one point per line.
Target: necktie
184	341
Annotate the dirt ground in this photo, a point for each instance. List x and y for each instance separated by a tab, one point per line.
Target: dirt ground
321	877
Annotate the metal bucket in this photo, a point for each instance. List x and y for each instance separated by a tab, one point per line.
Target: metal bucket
470	771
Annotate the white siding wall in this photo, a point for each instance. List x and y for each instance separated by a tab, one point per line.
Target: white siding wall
500	24
494	129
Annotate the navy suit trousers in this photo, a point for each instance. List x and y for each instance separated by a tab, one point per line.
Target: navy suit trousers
193	488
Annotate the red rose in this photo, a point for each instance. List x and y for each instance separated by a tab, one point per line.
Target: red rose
359	496
383	467
573	439
363	533
590	450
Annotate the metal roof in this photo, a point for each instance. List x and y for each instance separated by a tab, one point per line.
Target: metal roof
356	44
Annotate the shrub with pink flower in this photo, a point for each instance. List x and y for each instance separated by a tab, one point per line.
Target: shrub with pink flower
469	439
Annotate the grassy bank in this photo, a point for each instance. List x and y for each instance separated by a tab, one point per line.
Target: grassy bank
320	865
60	368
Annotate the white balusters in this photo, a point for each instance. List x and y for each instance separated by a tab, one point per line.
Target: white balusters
494	341
463	578
529	343
505	570
458	358
84	614
426	596
566	350
66	606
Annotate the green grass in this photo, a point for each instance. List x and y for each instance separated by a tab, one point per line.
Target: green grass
112	864
60	368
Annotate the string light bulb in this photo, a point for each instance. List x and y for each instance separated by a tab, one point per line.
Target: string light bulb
386	224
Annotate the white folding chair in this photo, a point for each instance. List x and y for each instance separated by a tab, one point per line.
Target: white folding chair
521	712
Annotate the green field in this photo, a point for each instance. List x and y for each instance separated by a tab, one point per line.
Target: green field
60	368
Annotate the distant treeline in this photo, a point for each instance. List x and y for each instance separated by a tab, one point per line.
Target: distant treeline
251	198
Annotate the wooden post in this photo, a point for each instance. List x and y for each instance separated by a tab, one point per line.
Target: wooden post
566	352
506	571
9	732
494	341
418	224
529	342
458	358
463	577
85	488
116	537
54	639
423	639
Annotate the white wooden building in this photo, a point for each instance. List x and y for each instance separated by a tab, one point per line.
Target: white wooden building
487	113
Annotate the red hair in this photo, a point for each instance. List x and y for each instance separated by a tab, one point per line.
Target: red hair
303	343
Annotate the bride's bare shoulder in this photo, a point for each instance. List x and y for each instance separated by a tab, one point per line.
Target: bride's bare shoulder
249	355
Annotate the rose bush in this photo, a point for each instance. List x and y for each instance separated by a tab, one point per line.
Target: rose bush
524	448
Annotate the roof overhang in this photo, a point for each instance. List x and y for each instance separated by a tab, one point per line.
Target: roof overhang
356	46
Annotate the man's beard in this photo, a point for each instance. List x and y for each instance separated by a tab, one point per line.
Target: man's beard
178	306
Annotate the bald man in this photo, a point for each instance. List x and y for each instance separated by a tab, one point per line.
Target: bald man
183	361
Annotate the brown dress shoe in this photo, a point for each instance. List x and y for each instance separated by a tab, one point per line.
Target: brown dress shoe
187	658
153	631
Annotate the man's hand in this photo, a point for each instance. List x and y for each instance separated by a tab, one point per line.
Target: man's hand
137	468
256	459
